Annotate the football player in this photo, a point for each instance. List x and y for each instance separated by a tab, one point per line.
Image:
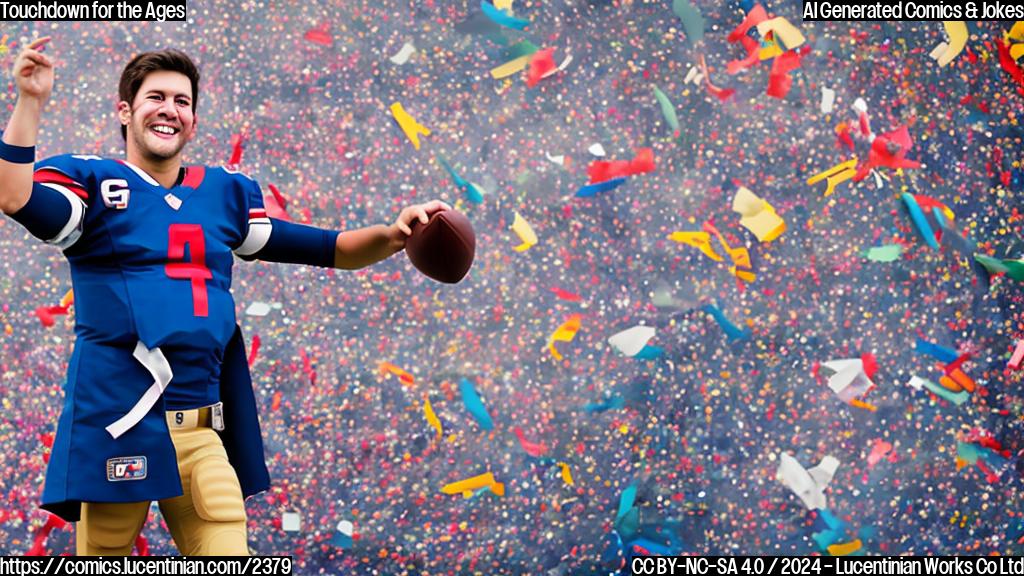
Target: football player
158	400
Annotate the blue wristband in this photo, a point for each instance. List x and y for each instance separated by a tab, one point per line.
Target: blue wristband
17	154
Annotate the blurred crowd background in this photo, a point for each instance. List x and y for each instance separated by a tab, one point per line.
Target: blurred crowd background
672	450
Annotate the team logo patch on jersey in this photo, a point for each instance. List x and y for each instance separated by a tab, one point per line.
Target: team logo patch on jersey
115	193
126	468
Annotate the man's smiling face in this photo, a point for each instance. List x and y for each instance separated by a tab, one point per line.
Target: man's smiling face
160	121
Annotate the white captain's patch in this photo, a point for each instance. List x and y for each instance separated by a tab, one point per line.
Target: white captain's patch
172	201
126	468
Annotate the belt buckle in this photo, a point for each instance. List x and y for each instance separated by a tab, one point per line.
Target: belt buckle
217	416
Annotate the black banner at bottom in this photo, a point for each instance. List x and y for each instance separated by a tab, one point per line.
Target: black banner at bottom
826	565
137	565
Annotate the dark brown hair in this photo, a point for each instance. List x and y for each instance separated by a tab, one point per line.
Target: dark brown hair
170	60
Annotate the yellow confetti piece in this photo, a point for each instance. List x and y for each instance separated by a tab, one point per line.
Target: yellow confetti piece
411	127
747	276
511	67
699	240
566	475
742	268
957	32
836	175
845	549
1016	33
428	412
864	405
783	31
770	51
525	232
565	333
470	485
758	215
68	299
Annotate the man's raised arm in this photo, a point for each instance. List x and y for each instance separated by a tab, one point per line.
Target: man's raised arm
33	76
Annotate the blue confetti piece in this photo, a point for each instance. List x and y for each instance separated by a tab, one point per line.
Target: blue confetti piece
502	19
472	191
612	555
731	330
475	406
867	533
831	520
923	227
825	538
940	353
649	353
599	187
342	541
626	501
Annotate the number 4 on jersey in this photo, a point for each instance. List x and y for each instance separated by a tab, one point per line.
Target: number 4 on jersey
178	235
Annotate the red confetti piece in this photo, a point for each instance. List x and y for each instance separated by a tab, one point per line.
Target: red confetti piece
274	205
1009	65
779	81
254	348
753	48
236	150
888	150
756	15
46	314
39	542
604	170
566	295
535	450
319	36
281	200
541	63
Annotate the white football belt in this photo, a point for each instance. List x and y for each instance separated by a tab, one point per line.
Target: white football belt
160	369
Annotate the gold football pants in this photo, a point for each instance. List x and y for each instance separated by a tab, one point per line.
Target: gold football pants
207	520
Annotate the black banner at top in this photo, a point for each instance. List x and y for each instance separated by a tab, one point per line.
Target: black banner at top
911	10
85	10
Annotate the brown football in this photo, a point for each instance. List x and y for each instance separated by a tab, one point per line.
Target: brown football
444	247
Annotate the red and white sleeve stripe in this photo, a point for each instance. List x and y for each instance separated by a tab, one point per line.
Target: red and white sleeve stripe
60	181
258	233
76	195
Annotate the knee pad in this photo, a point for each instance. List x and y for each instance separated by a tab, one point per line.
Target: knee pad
216	493
113	526
224	540
217	497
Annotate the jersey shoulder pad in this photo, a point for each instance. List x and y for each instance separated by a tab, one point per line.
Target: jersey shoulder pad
74	173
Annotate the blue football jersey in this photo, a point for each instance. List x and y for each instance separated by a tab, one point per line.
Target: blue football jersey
151	273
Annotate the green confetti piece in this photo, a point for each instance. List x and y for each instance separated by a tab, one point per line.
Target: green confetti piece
957	398
524	48
1012	268
887	253
967	452
667	109
693	21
